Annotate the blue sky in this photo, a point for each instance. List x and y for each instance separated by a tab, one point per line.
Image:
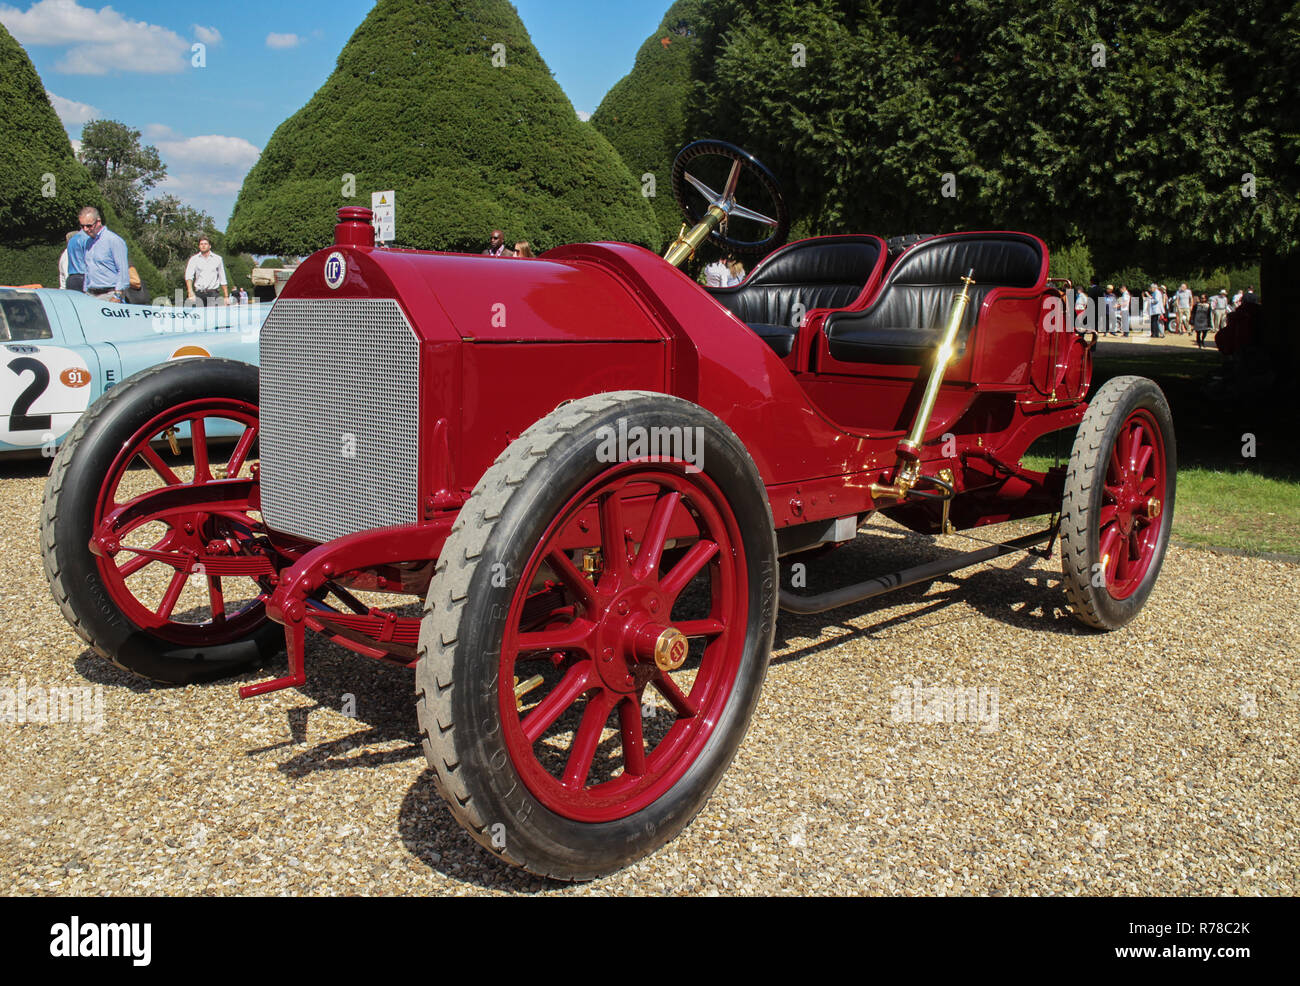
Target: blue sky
132	61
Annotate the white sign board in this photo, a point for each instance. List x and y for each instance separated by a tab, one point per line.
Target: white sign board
384	206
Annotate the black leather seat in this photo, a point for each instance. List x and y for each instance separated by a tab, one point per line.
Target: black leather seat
827	272
904	322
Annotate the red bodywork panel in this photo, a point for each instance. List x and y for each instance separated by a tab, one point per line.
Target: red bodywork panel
503	342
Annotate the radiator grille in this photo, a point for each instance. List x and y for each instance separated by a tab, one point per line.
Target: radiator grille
339	417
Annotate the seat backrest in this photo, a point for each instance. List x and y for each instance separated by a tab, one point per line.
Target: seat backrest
912	306
826	272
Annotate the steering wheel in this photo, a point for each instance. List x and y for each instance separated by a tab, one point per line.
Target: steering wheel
741	162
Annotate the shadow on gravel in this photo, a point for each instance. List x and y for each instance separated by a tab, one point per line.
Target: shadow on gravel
23	465
101	671
379	696
437	840
1016	595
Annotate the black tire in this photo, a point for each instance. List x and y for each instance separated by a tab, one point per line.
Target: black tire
68	508
1095	498
505	522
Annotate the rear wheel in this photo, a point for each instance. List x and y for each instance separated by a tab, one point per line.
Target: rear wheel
596	636
1119	502
149	602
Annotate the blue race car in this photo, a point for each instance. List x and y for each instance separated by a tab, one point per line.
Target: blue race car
62	349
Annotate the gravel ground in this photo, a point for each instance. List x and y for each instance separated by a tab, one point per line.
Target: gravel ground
1159	759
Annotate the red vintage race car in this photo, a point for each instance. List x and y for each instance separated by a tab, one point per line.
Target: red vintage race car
587	467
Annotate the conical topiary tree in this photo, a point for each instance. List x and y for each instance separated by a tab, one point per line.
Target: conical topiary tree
42	184
643	115
449	104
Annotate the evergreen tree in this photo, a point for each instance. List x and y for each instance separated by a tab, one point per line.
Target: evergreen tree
42	185
449	104
122	168
644	114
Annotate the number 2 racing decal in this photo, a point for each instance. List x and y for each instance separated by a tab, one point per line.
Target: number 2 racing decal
43	390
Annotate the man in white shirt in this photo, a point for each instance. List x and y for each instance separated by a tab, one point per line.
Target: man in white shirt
716	275
1219	309
204	274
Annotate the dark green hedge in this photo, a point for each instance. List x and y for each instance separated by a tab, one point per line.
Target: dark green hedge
416	105
33	144
644	116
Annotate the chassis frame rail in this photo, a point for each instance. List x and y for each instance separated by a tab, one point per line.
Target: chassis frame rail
792	602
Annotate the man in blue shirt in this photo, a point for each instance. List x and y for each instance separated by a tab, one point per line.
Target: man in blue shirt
72	265
106	266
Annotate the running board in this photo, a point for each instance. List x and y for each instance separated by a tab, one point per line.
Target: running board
793	603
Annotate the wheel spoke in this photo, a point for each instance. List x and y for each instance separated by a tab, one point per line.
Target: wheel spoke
571	636
680	575
613	536
129	568
1107	515
1106	545
713	197
161	468
1148	486
701	628
587	739
684	706
543	715
733	179
573	580
656	535
629	720
1135	443
172	594
740	212
1143	460
199	447
1115	468
240	453
217	599
1126	452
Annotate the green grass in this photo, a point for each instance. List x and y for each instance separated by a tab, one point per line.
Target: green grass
1225	498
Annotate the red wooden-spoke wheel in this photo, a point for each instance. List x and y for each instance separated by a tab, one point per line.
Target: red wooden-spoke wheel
1117	509
596	636
1132	504
182	543
146	548
611	636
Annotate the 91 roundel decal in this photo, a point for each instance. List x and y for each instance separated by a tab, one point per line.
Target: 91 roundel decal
43	390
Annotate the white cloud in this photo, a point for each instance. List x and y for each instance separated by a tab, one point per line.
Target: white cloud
204	171
72	113
274	40
209	151
100	41
208	35
584	117
76	145
159	131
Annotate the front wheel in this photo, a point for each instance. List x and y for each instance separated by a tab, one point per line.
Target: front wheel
150	601
597	633
1118	506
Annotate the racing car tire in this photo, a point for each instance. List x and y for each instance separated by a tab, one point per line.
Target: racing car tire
1118	505
84	587
471	718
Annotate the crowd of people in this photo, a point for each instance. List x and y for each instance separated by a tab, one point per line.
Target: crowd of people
497	247
94	260
724	273
1185	312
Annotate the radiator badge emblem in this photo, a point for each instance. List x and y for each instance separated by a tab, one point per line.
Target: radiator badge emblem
336	268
